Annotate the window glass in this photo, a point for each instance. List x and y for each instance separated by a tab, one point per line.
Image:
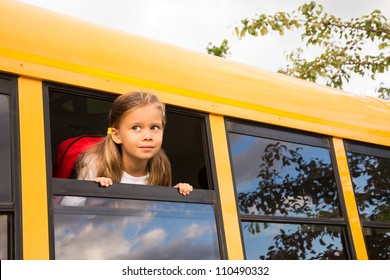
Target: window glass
5	150
287	193
369	167
135	229
280	178
10	214
3	237
371	180
68	106
377	243
95	106
271	241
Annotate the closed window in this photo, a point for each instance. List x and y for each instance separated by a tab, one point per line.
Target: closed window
136	229
287	194
370	173
9	170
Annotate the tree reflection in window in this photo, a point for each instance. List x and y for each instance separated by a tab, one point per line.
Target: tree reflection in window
371	182
377	243
284	179
294	242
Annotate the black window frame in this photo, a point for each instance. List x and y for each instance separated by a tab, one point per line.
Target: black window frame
262	130
13	208
70	187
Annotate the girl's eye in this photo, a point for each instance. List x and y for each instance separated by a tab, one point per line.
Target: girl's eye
155	127
136	127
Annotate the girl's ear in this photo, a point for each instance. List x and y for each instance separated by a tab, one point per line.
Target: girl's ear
115	136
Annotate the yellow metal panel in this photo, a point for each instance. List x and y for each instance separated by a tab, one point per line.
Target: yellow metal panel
33	165
68	50
226	189
349	197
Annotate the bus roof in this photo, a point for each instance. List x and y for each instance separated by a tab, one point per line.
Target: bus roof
48	46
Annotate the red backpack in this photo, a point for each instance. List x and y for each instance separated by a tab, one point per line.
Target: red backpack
67	153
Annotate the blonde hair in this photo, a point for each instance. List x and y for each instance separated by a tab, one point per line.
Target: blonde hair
107	155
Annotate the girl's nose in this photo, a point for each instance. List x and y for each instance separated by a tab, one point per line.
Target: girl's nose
147	134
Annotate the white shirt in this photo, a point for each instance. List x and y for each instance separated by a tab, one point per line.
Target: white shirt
129	179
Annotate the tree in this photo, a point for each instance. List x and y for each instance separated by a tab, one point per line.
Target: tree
221	51
344	44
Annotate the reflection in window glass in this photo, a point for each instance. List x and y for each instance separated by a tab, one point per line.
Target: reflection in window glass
68	106
134	229
96	106
3	238
73	115
378	243
271	241
371	181
280	178
5	150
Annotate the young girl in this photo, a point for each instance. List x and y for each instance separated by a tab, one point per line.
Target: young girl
131	152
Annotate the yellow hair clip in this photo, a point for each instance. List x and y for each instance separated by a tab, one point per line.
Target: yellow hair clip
109	130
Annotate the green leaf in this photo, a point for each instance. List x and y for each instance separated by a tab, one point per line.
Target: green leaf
263	31
382	46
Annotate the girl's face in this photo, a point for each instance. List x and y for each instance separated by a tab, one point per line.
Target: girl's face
140	133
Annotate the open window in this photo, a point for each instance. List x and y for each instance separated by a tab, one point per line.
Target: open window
139	215
79	112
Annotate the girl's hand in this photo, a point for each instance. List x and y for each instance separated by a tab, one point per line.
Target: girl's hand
103	181
184	188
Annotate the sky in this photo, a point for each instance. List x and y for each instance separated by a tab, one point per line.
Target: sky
193	24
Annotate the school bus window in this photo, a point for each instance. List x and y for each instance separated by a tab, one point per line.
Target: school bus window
184	230
95	106
268	246
377	243
3	237
287	194
68	106
10	215
5	173
370	173
5	151
135	229
75	112
283	179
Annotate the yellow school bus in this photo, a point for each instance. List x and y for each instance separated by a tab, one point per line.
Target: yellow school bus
282	168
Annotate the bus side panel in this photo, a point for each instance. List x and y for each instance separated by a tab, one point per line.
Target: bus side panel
33	166
350	202
226	189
